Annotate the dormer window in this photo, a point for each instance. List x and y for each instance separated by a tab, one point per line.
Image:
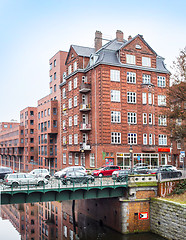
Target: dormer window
131	59
69	69
146	62
93	59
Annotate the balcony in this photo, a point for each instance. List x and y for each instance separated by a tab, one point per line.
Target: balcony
85	87
85	107
85	126
85	146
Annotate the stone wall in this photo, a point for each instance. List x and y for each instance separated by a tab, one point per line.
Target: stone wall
168	219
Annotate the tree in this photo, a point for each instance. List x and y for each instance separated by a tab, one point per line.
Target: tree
176	100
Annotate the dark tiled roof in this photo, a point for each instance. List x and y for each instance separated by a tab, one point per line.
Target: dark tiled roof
83	51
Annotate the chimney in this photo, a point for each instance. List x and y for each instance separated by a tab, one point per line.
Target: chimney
119	36
129	37
98	40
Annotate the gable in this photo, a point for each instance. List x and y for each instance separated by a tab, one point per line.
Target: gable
139	48
71	55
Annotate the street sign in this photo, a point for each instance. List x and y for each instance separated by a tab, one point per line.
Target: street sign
182	153
138	158
143	215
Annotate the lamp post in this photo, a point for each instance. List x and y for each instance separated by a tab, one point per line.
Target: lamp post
131	151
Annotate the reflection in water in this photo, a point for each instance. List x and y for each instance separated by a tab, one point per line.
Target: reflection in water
54	220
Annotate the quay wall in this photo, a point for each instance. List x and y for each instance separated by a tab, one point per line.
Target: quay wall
168	219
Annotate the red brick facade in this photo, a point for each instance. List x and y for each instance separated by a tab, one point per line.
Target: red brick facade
101	103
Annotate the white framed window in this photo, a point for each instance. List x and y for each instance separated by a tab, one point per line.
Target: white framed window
132	138
153	98
69	69
48	111
75	82
146	62
178	121
132	118
64	158
150	138
162	139
150	98
131	77
115	117
92	160
131	59
64	93
75	66
144	118
75	120
153	119
144	98
162	120
150	118
115	95
64	124
144	139
65	231
154	139
75	138
146	79
70	158
161	81
131	97
64	107
76	159
115	75
70	121
64	140
116	137
178	144
69	85
75	101
70	103
70	139
161	100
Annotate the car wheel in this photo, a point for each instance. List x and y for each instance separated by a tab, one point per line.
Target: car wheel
89	181
15	184
47	177
41	183
101	175
68	182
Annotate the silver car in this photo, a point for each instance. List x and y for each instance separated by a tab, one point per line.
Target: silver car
41	173
17	179
63	172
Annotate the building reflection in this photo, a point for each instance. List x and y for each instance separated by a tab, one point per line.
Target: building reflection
42	221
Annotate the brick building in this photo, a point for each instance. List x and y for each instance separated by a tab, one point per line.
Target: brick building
112	98
103	102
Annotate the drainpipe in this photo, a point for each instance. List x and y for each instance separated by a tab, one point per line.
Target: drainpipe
96	119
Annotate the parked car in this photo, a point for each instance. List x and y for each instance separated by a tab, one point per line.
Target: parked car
4	171
140	165
17	179
166	172
105	171
62	172
121	175
41	173
77	177
168	167
141	170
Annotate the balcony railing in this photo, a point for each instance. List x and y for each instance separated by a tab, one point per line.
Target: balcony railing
85	126
85	107
85	146
85	87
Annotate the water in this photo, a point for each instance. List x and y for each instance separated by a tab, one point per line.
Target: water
55	220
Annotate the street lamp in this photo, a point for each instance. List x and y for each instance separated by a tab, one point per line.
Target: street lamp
131	151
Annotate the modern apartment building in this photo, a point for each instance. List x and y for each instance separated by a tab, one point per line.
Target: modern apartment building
48	117
112	98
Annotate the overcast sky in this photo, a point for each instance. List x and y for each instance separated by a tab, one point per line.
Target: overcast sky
32	31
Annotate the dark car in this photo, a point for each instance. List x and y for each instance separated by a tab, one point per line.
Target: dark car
77	177
62	173
121	175
4	171
105	171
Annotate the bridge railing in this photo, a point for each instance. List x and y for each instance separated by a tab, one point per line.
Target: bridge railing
57	184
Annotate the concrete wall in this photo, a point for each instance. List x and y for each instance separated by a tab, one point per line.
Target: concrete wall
168	219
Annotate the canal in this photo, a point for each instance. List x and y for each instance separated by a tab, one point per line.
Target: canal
56	220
